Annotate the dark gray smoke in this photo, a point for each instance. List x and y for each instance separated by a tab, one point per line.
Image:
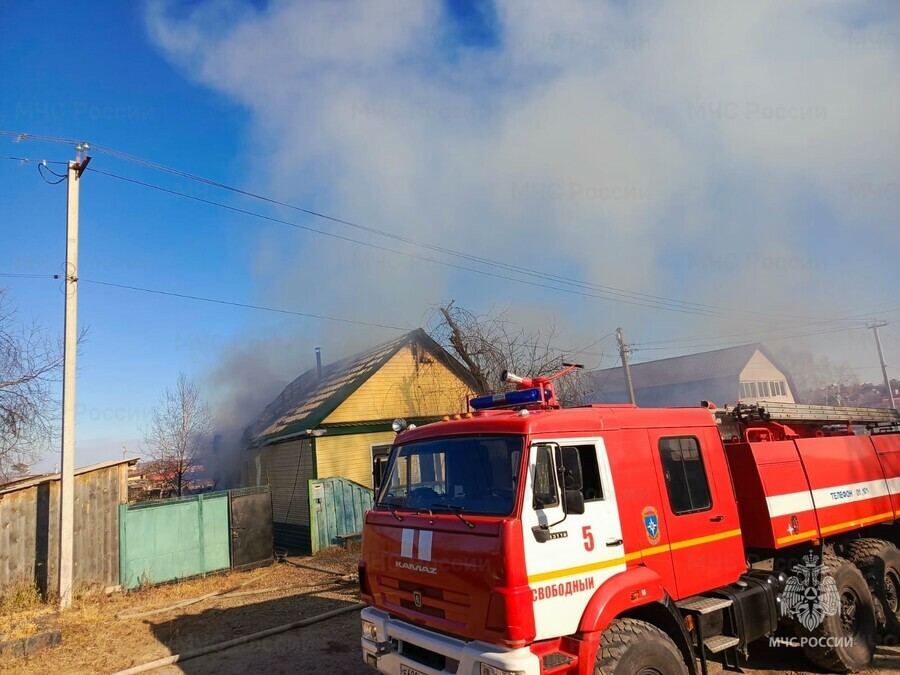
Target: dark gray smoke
250	373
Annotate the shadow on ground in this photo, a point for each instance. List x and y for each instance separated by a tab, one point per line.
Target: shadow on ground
331	645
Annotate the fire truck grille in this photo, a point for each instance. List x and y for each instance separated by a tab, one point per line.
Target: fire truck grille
427	600
424	609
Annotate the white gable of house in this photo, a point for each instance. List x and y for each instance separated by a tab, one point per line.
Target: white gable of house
761	377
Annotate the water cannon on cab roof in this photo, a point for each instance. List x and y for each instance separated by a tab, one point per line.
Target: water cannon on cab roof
536	392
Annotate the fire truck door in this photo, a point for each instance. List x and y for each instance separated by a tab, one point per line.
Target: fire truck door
699	521
568	556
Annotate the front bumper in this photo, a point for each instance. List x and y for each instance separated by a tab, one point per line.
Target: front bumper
400	644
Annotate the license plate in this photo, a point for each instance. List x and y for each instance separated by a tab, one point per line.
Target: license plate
406	670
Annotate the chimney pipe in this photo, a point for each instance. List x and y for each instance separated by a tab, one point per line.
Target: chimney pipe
319	364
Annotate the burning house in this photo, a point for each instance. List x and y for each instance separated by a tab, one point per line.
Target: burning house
335	420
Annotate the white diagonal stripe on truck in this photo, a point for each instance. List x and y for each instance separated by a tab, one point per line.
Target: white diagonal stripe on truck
425	545
406	543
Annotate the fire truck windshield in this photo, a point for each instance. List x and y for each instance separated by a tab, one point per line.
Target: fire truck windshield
463	474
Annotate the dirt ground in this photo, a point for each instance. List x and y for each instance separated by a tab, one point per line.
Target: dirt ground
95	641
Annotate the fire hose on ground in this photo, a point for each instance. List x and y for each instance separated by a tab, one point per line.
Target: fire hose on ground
219	646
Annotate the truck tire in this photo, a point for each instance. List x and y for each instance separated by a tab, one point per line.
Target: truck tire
882	571
632	647
854	619
863	548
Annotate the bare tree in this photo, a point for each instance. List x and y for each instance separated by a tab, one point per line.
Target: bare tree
30	368
180	425
819	379
490	343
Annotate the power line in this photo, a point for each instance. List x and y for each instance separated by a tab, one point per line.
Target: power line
117	154
28	160
610	293
41	165
760	333
659	302
60	177
585	350
326	233
609	371
696	341
18	137
766	339
387	249
323	317
230	303
892	332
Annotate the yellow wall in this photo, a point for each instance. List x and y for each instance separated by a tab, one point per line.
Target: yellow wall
411	384
349	456
406	386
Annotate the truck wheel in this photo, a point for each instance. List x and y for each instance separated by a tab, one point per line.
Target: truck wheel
882	571
863	548
632	647
844	641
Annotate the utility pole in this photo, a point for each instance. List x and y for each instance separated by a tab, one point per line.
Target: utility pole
623	353
67	483
875	325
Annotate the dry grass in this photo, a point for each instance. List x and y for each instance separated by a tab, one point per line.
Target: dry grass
19	597
94	640
22	611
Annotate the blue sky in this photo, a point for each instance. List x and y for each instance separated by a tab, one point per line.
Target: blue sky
743	158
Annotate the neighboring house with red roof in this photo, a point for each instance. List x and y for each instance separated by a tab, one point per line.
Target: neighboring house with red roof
746	373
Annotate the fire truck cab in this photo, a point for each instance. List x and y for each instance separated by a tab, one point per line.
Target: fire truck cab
525	538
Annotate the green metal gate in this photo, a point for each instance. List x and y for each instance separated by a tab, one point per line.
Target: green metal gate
337	507
174	539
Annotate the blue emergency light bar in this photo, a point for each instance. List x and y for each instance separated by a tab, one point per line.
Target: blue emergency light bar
520	397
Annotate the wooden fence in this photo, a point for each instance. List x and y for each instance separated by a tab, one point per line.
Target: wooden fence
121	544
29	528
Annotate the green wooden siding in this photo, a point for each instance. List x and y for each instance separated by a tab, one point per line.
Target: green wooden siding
164	541
338	507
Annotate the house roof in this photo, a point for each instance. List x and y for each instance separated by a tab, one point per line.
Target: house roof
307	401
31	481
728	362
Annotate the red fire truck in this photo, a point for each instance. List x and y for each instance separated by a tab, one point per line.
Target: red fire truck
526	538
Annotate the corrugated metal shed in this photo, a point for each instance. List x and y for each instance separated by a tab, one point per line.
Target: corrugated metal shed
681	380
29	527
287	468
727	362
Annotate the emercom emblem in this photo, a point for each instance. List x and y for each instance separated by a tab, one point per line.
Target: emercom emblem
651	524
809	596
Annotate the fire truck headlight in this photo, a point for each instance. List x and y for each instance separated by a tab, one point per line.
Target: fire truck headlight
369	632
487	669
399	425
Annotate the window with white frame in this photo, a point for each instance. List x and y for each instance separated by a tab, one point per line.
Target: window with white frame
762	389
